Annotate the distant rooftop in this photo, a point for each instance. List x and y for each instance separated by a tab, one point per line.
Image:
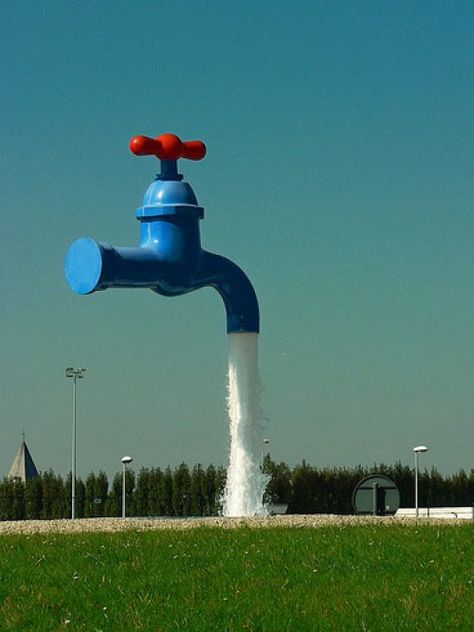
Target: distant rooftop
23	467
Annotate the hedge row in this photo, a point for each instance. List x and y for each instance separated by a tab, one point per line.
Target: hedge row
197	491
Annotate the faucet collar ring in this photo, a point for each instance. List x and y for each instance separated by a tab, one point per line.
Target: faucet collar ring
148	212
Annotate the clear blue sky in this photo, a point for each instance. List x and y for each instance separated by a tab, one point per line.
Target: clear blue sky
339	176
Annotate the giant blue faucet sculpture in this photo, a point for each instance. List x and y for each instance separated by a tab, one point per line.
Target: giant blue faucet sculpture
170	259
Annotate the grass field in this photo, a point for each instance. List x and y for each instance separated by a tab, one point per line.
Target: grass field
371	577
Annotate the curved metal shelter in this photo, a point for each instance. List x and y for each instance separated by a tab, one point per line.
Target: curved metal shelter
376	494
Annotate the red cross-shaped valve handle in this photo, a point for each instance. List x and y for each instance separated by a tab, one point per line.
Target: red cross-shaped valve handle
168	147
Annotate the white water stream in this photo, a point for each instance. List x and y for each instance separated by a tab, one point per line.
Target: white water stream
243	495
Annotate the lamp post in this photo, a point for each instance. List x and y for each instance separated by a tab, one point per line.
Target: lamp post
417	450
75	374
265	444
125	461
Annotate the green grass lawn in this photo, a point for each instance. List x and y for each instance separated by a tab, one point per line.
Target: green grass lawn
336	578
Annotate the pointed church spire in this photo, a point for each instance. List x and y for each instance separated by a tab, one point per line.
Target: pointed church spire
23	467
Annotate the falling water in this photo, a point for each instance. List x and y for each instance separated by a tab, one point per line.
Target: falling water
243	495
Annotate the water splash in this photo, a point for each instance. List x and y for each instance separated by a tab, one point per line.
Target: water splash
243	495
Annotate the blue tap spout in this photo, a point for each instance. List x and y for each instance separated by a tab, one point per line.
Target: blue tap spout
92	266
236	291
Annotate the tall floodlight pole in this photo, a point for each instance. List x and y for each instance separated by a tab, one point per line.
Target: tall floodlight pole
125	461
75	374
417	450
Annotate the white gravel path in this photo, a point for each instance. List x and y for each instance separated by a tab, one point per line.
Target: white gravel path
151	524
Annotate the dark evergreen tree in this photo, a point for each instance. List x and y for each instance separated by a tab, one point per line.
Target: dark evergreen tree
114	501
166	493
181	490
18	506
304	492
211	509
12	499
198	491
34	498
403	477
89	508
278	489
155	506
141	494
215	479
6	499
55	505
101	493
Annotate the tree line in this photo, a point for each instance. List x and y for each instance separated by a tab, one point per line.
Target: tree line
197	491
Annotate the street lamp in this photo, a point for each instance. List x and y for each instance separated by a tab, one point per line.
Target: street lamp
125	461
75	374
417	450
265	444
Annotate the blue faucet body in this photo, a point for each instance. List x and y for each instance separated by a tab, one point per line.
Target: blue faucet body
169	259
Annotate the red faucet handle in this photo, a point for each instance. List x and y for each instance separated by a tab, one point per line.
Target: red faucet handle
168	147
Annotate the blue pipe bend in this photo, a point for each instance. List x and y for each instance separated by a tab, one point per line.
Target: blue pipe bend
93	266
